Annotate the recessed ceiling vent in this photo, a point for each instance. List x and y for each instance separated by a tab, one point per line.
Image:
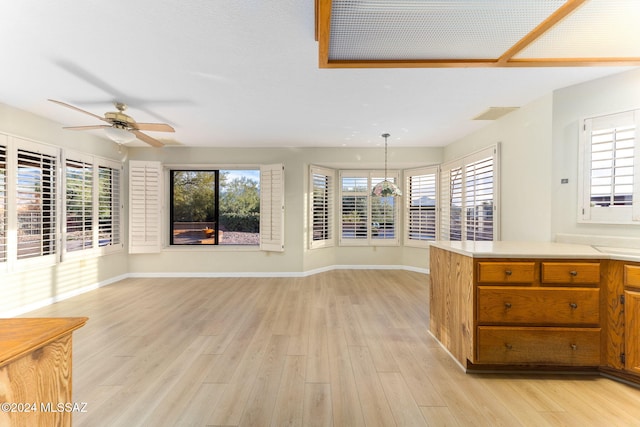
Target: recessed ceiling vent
494	113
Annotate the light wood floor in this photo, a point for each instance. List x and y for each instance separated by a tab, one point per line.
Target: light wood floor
342	348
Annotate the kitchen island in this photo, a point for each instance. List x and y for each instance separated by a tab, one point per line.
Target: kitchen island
529	304
536	306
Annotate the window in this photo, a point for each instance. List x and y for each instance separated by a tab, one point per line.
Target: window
215	207
321	207
420	209
109	205
55	204
3	203
226	205
468	197
608	155
36	203
92	204
79	205
367	219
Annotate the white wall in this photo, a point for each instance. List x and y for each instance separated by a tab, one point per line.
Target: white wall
606	95
296	258
32	287
525	162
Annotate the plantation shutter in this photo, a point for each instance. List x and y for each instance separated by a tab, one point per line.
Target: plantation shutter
272	207
469	197
3	203
608	154
79	204
36	201
354	205
109	206
451	202
421	203
321	207
479	197
144	206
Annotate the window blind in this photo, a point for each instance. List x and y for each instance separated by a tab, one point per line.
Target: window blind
421	203
272	207
109	206
608	157
469	197
321	209
144	206
36	204
79	205
3	203
367	219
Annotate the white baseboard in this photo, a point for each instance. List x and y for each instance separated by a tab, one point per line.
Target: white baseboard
213	274
56	298
61	297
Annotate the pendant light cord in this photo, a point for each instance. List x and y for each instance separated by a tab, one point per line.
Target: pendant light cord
385	136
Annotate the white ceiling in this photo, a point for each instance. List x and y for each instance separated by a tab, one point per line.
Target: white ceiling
240	73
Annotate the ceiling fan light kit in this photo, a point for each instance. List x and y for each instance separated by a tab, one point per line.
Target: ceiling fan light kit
122	128
119	135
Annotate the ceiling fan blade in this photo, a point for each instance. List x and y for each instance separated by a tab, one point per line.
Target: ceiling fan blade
146	138
86	127
64	104
154	127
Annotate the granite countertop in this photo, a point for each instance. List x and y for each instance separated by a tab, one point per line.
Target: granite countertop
528	249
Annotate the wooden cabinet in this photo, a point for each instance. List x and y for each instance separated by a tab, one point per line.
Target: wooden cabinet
623	320
35	371
529	312
540	306
540	346
631	280
632	331
552	317
516	312
571	273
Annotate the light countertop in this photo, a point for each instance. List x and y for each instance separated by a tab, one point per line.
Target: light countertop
513	249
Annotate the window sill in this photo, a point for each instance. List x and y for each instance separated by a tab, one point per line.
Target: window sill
211	248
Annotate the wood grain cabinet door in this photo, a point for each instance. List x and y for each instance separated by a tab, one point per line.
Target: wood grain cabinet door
632	331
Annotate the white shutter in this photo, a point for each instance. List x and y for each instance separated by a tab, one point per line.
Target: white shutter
451	201
109	205
469	197
421	206
272	208
144	206
3	203
479	199
608	155
321	207
78	222
36	202
354	208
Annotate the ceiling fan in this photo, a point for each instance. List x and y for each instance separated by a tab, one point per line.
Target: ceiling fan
121	128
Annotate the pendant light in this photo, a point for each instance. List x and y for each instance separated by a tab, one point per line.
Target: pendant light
386	188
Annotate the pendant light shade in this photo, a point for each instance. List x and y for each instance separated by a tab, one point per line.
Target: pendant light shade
386	188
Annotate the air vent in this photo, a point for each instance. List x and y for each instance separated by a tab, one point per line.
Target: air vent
494	113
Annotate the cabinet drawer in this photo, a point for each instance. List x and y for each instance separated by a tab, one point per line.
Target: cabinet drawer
571	272
547	306
506	272
539	346
632	276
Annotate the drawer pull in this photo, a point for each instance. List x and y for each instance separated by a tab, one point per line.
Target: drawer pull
507	305
573	273
574	347
508	346
573	305
508	272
